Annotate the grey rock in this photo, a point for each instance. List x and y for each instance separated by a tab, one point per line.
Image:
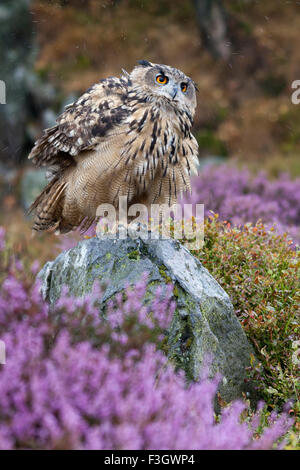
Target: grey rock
17	55
27	95
204	323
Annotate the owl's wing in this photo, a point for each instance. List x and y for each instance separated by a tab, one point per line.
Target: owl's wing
85	123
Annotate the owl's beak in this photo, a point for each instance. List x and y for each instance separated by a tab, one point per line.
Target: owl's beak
174	91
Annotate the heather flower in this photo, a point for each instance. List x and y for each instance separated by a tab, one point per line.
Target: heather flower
35	267
240	198
80	397
75	379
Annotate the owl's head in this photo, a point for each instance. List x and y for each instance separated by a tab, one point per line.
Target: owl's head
163	81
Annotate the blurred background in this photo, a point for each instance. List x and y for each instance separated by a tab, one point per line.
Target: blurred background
243	54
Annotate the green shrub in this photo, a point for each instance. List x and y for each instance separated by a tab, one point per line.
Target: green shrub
261	272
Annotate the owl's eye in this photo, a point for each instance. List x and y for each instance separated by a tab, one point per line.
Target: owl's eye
183	87
162	79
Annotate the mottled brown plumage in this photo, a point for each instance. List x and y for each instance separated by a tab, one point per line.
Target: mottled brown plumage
128	136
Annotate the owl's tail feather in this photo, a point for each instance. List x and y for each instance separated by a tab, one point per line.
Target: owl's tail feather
48	206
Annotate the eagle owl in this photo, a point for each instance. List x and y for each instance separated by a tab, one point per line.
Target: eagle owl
128	136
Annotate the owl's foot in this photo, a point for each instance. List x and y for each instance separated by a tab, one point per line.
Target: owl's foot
138	230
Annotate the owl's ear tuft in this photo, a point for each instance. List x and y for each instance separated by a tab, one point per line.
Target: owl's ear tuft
145	63
196	86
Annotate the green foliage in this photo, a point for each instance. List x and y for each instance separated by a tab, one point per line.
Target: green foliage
288	129
207	140
260	272
273	85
